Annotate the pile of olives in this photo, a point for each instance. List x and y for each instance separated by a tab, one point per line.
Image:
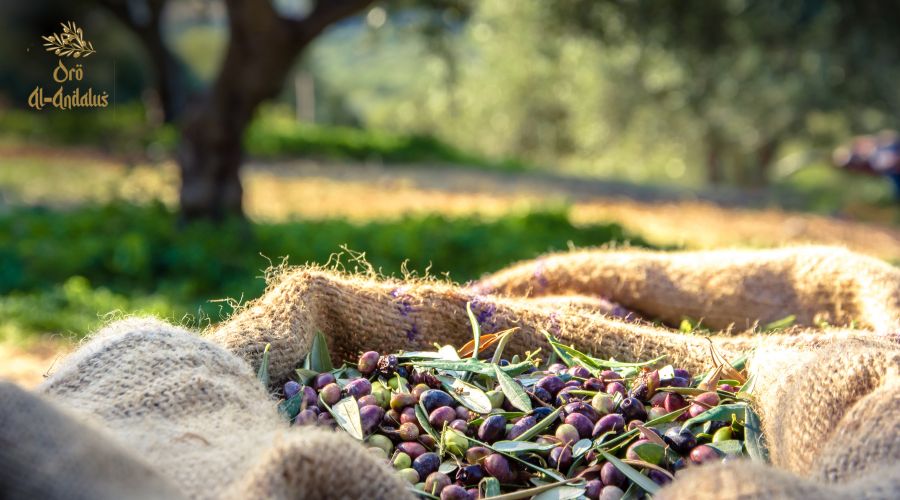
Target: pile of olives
466	428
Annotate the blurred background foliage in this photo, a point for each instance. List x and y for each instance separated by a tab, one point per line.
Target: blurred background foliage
739	94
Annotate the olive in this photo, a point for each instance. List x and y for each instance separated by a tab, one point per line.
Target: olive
492	428
610	423
381	442
463	413
680	382
593	384
519	428
368	362
682	373
610	375
440	416
592	489
611	493
455	442
567	434
459	425
582	424
614	388
470	475
611	476
435	398
655	412
401	400
658	399
541	394
603	403
412	448
579	372
551	384
426	463
723	434
658	477
291	389
370	416
476	454
408	415
358	388
330	394
582	408
565	397
387	365
409	474
391	418
703	402
632	409
418	390
673	402
561	458
454	492
703	454
541	412
427	440
498	466
306	417
680	440
408	431
367	400
727	388
436	482
556	368
401	461
322	380
381	394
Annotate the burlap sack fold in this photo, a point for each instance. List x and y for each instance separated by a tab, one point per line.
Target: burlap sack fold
197	413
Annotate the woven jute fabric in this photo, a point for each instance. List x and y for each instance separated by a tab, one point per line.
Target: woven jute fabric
162	411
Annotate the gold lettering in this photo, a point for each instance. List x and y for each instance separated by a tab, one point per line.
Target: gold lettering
65	73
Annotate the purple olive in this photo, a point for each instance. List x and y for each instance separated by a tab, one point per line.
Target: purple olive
680	382
682	373
498	466
459	425
463	413
609	423
358	388
728	388
614	388
306	417
659	398
418	390
367	400
325	419
680	440
291	389
610	375
453	492
470	475
408	431
476	454
551	384
330	394
409	415
703	402
703	454
632	409
582	424
322	380
611	476
310	398
579	372
658	477
611	493
492	428
592	489
391	418
583	408
556	368
436	482
673	402
519	428
370	416
435	398
368	363
426	463
411	448
440	416
387	365
593	384
561	458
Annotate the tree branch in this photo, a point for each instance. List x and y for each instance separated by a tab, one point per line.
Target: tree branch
323	15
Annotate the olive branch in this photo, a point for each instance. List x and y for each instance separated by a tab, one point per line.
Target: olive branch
70	42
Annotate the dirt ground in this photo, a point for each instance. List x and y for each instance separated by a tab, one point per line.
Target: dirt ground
276	191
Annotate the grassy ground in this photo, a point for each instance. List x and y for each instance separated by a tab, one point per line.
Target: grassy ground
62	275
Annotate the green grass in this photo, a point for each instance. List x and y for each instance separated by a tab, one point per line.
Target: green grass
60	269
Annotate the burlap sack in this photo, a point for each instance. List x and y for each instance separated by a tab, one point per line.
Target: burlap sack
191	412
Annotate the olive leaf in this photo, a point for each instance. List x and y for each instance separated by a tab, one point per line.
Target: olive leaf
489	487
504	337
631	473
514	392
469	395
521	446
263	373
318	359
722	413
422	416
728	446
581	447
70	43
780	324
476	330
291	407
754	440
346	414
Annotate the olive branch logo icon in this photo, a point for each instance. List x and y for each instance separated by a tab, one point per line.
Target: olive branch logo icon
70	42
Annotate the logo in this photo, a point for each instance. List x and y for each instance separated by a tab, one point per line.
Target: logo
71	44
